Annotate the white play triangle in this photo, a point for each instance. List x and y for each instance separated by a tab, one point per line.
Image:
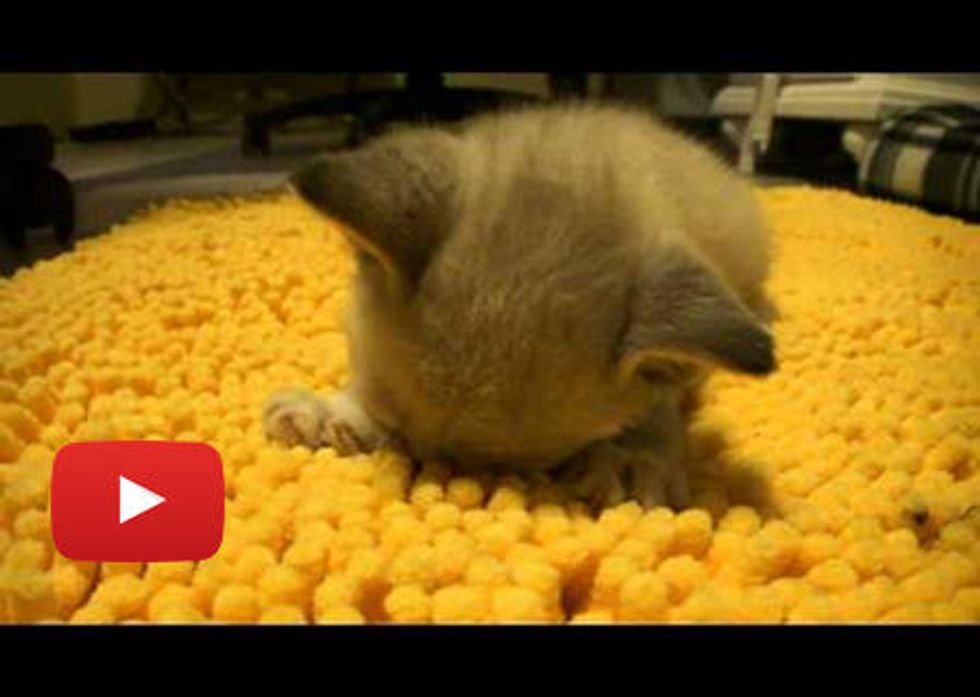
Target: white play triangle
135	499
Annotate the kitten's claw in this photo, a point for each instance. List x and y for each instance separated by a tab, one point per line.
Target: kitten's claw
343	438
656	482
608	474
295	417
597	477
595	480
299	417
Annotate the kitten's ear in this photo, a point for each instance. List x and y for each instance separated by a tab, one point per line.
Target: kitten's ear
394	195
682	311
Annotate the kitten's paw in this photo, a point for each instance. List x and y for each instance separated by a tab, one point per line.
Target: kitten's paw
595	478
344	438
656	482
295	417
299	417
607	475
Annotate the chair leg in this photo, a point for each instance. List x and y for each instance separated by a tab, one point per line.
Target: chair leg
755	137
15	235
62	208
64	223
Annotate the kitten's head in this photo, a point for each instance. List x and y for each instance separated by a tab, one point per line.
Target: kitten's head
508	321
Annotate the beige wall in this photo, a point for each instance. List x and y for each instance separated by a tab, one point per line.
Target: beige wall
39	97
63	100
530	83
101	97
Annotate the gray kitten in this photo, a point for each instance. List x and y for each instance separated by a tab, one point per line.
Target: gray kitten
539	289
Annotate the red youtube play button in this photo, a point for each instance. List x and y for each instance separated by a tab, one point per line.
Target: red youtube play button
137	501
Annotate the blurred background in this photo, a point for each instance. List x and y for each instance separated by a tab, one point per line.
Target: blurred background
82	151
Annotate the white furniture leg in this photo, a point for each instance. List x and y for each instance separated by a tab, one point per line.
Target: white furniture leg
756	134
856	138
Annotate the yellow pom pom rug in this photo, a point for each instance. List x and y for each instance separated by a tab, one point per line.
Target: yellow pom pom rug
843	488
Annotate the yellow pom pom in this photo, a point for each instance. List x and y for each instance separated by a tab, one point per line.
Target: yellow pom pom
460	604
951	613
967	602
833	575
93	613
952	454
283	614
901	553
124	594
174	594
593	617
506	498
453	554
307	556
866	557
8	391
409	604
913	613
569	555
539	577
426	494
692	532
788	592
415	564
813	609
727	548
486	570
551	528
159	574
775	549
643	552
172	609
621	519
335	591
754	605
517	604
682	575
599	541
27	554
612	573
339	614
704	605
927	587
465	493
252	563
404	532
961	569
10	444
21	421
282	585
497	538
443	516
816	548
740	519
958	536
236	603
70	586
210	575
70	415
864	529
643	598
861	604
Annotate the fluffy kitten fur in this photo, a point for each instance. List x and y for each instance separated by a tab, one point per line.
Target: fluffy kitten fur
538	289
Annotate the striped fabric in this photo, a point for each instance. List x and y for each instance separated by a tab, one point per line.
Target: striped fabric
929	156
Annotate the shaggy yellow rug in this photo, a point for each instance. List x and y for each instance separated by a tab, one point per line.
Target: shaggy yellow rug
845	487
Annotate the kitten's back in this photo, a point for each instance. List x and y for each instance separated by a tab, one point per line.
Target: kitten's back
625	162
